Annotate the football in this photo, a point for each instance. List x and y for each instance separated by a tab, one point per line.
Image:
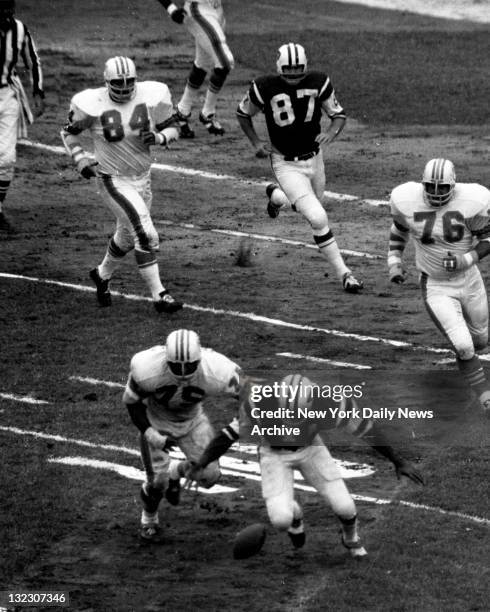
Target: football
249	541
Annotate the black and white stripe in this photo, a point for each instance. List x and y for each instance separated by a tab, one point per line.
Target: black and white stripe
18	42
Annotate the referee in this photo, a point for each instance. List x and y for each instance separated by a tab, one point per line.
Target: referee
15	114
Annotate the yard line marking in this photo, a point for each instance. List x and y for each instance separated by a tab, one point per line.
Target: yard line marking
364	498
265	237
26	399
96	381
340	364
127	471
250	316
341	197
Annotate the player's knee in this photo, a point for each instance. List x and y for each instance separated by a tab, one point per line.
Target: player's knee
280	516
210	476
196	77
218	77
465	352
314	212
338	497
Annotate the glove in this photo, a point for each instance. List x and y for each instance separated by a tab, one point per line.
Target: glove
155	439
152	138
397	274
451	263
193	473
177	14
405	468
87	167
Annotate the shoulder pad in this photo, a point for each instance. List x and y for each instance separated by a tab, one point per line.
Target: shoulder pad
406	191
153	92
144	363
476	197
89	101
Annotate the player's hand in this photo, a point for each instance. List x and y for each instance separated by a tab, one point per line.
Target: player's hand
87	167
155	439
397	274
262	151
39	105
324	138
193	473
451	263
150	137
405	468
178	15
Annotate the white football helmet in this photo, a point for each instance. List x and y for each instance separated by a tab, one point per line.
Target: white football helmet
120	78
439	180
291	62
183	353
296	391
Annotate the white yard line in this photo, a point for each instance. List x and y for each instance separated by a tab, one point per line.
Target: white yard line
250	476
25	399
264	237
243	315
338	364
341	197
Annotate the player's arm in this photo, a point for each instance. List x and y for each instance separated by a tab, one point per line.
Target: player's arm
370	432
399	235
166	126
176	13
244	113
479	226
32	62
133	399
83	160
335	113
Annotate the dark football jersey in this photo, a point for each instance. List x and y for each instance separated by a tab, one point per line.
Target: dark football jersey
293	111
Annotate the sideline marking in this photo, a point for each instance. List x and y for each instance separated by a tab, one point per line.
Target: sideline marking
307	245
374	500
26	399
250	316
341	197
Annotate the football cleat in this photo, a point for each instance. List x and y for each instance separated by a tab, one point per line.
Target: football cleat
151	533
211	124
355	548
351	284
103	294
167	303
296	533
185	129
172	493
272	209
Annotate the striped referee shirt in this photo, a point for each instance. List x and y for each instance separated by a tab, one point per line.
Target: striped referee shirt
16	41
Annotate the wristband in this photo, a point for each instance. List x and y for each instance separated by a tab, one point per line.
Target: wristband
470	258
171	8
394	260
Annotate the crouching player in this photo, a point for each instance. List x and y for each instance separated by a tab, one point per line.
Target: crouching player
282	453
164	395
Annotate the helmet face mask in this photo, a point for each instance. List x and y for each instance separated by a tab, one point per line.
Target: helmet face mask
120	79
183	353
438	180
291	62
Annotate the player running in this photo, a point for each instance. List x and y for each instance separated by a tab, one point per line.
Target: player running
288	441
293	102
450	226
164	395
124	119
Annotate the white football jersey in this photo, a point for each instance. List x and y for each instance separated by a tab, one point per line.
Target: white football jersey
169	399
454	228
115	127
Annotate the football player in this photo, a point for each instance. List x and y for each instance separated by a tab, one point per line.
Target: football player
125	118
281	452
164	395
450	226
206	22
15	113
293	102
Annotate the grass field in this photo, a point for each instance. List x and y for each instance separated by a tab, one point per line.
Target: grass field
414	87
